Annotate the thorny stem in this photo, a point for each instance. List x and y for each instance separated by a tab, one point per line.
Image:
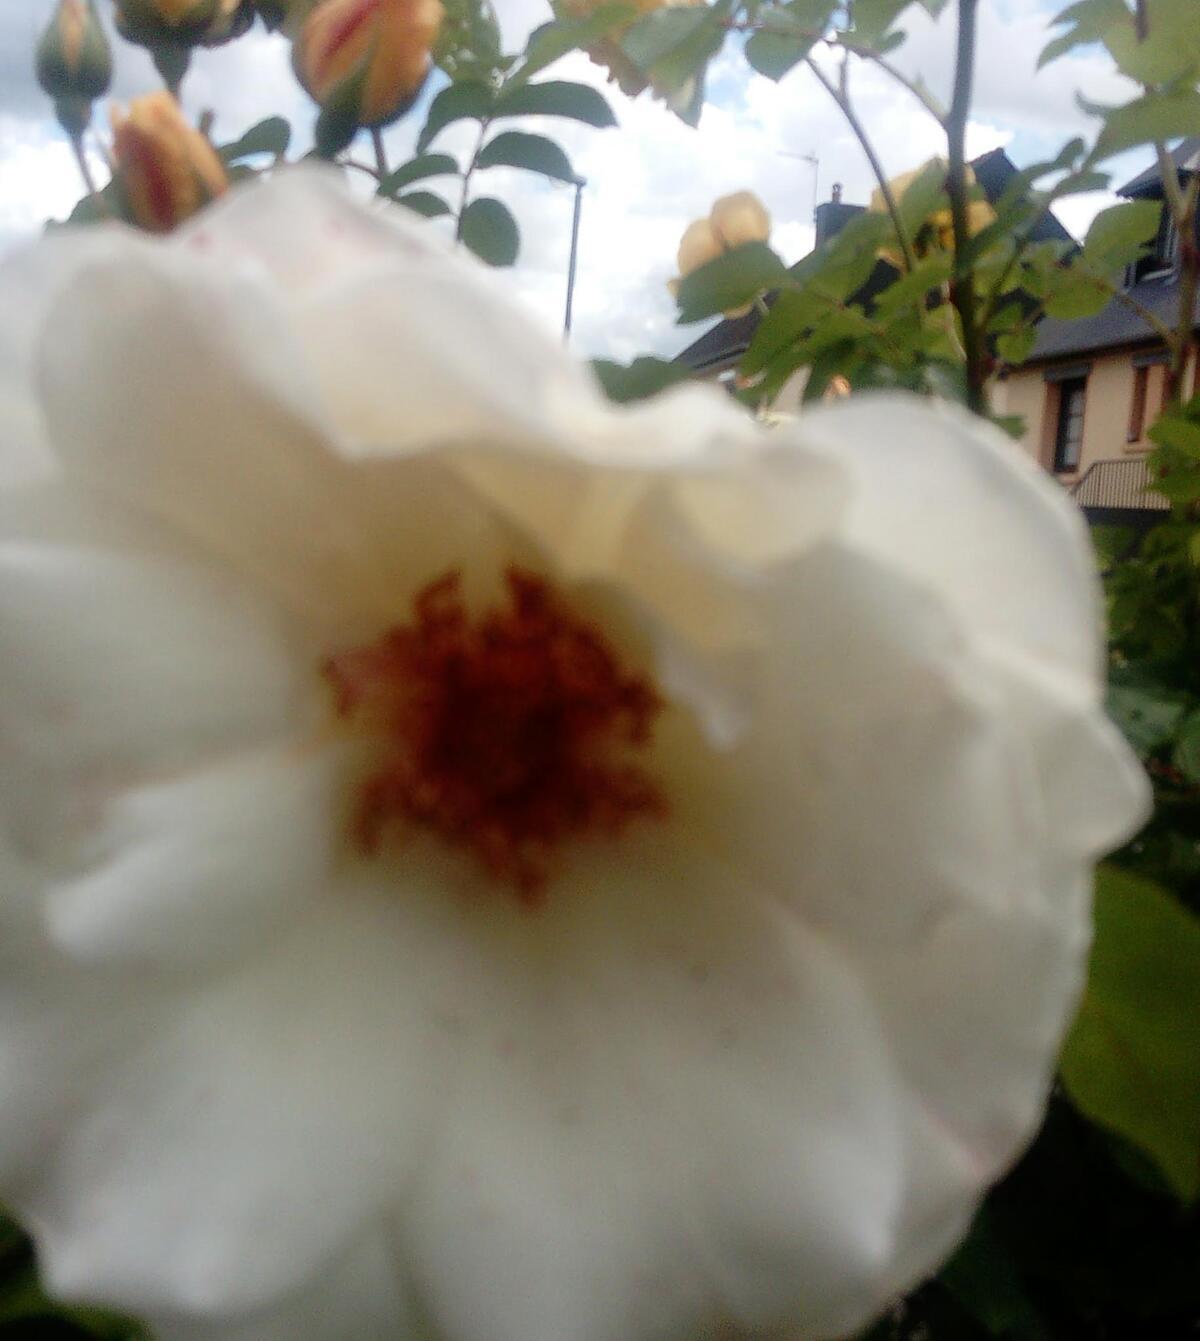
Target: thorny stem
963	291
889	198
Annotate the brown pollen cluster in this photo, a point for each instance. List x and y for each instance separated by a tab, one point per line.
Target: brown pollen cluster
504	734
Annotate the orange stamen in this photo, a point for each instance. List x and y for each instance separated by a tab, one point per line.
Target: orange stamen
505	735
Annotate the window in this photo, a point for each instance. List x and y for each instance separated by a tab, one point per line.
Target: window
1161	258
1137	411
1068	435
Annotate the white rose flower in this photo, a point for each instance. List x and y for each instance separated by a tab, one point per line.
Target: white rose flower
483	865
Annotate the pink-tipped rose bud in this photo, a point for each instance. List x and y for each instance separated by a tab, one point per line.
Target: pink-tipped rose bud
167	168
364	61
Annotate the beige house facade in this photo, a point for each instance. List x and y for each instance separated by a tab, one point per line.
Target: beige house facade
1087	409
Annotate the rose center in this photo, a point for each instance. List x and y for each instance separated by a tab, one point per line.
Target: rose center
505	734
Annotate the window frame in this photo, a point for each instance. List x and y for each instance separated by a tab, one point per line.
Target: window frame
1064	416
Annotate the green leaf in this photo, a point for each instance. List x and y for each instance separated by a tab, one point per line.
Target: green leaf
1169	49
1087	21
488	228
426	203
468	45
457	102
1187	748
534	153
416	170
1118	234
986	1281
1132	1060
1015	346
672	47
923	196
557	97
271	136
644	377
1147	713
729	281
787	34
774	54
873	19
1156	116
568	33
1072	293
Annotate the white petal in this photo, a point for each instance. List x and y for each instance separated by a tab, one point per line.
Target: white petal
222	440
204	866
674	1112
31	280
355	1298
274	1113
948	499
110	664
409	342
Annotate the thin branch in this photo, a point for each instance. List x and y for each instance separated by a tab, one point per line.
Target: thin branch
470	168
889	198
85	171
956	185
381	163
1152	319
361	167
814	35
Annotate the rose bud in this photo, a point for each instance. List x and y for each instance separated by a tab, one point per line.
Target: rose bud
364	61
167	168
73	57
156	23
74	63
232	19
733	221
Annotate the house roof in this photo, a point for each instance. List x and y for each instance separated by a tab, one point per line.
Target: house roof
728	339
1185	156
1117	326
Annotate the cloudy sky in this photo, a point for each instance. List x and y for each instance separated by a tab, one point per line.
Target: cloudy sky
646	180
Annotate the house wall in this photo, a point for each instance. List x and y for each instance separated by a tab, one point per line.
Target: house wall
1106	415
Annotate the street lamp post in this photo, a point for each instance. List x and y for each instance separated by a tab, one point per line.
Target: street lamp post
579	183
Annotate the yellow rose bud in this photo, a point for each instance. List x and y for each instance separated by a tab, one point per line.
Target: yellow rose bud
937	231
740	218
73	57
167	168
364	61
699	245
733	221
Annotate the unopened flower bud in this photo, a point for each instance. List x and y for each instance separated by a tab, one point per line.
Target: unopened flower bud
364	61
936	232
232	19
740	218
733	221
157	23
167	168
74	63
